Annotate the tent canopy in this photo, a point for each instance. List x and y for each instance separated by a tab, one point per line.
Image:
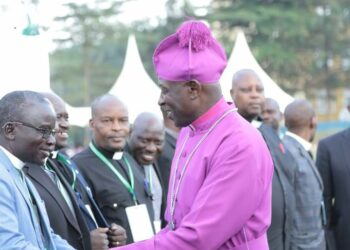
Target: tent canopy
134	86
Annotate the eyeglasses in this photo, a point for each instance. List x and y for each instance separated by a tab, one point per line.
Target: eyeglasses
45	132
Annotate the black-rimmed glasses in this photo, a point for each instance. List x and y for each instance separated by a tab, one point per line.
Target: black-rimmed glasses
45	132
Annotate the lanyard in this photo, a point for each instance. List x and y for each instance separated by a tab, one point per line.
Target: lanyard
129	186
175	189
66	162
150	184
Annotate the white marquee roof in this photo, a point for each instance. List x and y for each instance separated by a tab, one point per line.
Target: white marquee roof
134	86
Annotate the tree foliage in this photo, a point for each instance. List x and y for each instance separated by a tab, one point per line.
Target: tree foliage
299	43
90	51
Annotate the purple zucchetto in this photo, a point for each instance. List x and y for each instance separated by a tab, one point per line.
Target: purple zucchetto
192	53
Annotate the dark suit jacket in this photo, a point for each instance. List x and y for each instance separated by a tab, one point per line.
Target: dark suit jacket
160	178
333	162
62	221
165	159
81	188
279	232
307	231
109	192
164	198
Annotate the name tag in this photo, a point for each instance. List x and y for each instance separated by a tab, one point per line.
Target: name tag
139	222
157	225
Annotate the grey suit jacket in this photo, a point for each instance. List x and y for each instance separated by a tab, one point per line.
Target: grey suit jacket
19	227
283	199
307	228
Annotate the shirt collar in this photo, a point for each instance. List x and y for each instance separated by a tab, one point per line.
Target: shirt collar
111	155
54	154
208	117
14	160
256	123
306	145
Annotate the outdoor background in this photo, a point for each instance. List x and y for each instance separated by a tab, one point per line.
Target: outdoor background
304	46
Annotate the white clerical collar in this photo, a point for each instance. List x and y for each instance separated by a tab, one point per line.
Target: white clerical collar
117	155
306	145
256	124
14	160
54	154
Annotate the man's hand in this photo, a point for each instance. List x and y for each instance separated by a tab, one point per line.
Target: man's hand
99	239
116	235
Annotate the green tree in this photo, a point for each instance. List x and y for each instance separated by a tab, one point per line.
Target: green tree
90	53
299	43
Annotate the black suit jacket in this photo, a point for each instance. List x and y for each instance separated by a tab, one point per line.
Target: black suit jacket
62	221
165	159
279	233
164	195
109	192
333	163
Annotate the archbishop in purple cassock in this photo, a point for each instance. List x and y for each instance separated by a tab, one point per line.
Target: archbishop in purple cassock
220	185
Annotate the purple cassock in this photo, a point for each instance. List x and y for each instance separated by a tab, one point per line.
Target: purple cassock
220	187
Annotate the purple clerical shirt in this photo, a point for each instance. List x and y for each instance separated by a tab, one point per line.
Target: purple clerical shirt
224	197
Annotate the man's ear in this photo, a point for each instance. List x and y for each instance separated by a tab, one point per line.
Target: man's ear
194	89
91	123
9	130
313	123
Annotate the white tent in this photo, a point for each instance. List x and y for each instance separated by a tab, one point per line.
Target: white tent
242	58
24	62
134	86
25	59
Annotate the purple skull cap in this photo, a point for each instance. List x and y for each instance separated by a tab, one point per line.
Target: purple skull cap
191	53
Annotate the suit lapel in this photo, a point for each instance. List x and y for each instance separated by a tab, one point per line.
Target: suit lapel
44	224
305	154
20	184
38	174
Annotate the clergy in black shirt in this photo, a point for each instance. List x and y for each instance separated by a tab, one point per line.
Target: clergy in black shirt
110	126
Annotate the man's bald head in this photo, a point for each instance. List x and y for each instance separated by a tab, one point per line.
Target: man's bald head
300	117
53	98
146	120
147	138
271	113
242	75
62	118
109	122
247	92
103	101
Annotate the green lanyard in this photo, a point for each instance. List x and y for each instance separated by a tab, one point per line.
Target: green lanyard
66	162
150	179
129	187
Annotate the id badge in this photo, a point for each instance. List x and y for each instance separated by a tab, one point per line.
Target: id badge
139	222
157	225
